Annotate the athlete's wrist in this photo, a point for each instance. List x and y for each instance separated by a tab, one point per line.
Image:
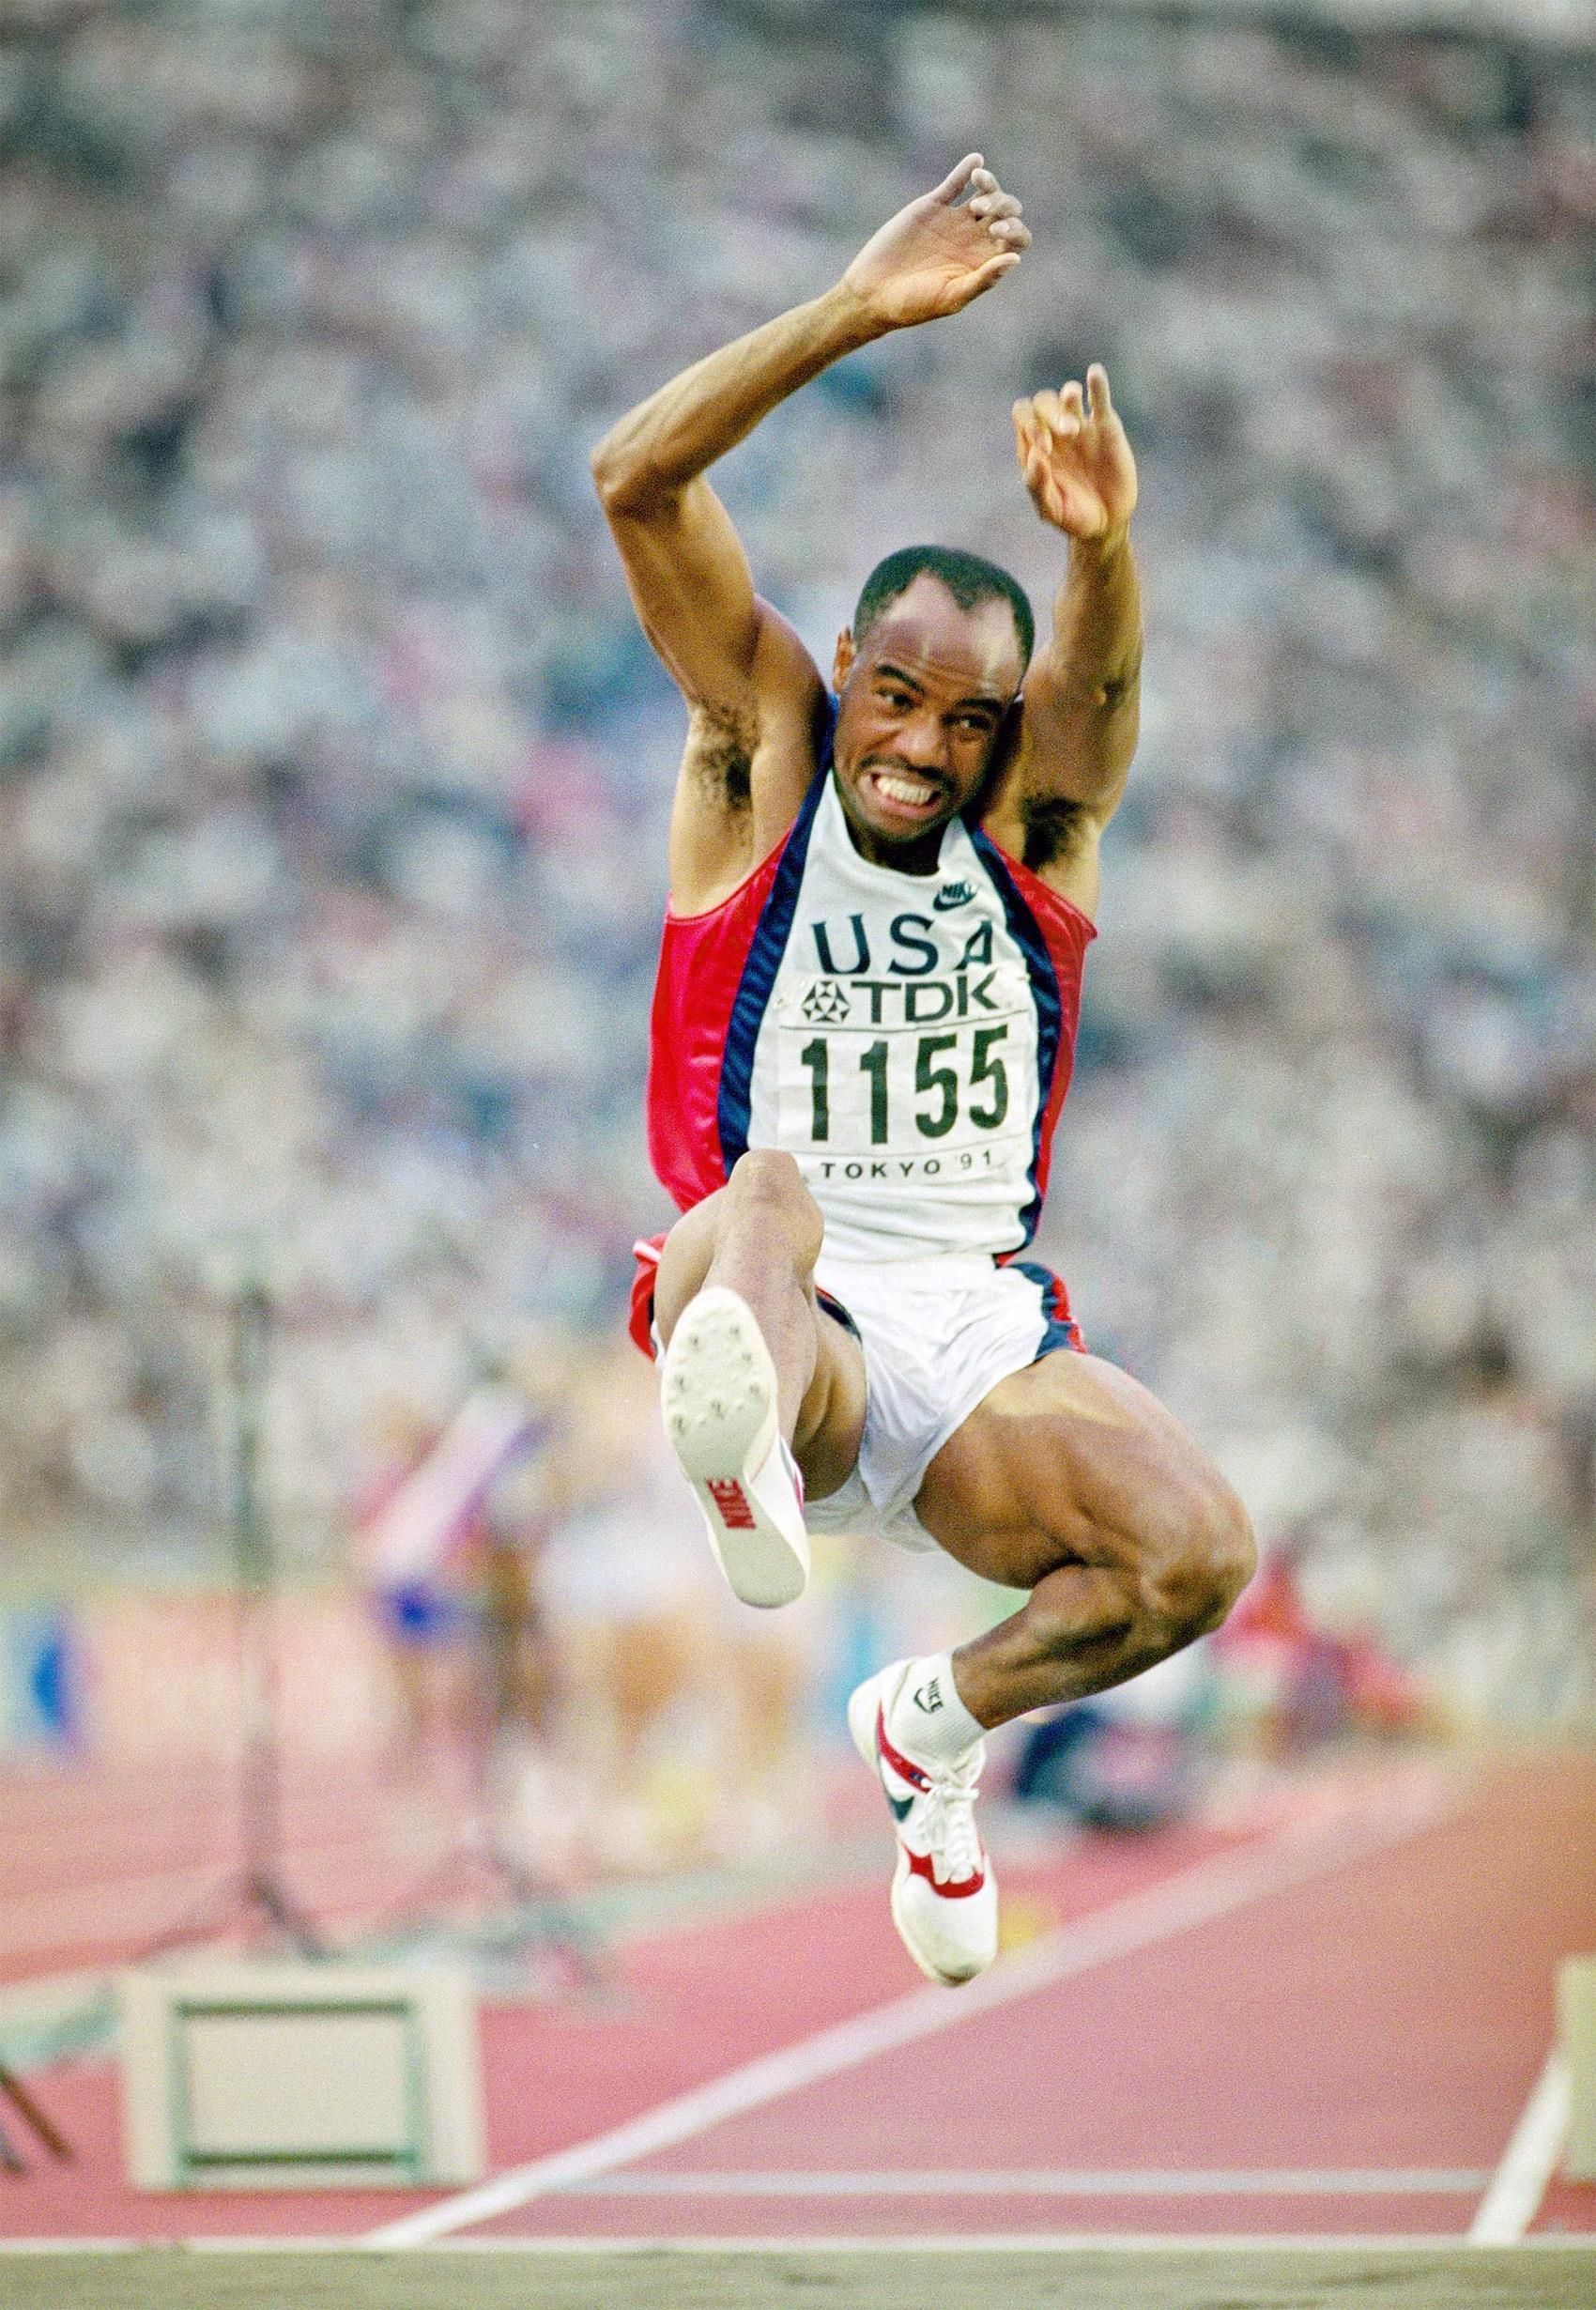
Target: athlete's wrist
1099	552
855	314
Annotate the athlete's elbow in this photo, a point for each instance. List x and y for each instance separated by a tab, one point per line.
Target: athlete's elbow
1122	678
614	477
629	486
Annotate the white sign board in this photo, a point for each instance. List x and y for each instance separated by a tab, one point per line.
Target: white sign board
279	2075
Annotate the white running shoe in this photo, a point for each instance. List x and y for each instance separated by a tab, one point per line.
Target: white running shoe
718	1393
943	1893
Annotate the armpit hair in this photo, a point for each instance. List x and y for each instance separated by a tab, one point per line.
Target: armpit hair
1052	829
720	757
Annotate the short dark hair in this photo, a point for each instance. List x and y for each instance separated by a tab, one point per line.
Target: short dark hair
967	577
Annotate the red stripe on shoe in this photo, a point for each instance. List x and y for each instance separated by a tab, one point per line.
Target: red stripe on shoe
731	1503
794	1471
915	1775
957	1888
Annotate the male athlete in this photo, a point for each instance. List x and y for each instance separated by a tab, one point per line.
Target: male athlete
863	1031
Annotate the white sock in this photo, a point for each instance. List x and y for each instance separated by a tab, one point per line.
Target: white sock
927	1720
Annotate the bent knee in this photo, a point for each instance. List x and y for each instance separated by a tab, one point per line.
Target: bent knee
765	1176
1204	1560
768	1171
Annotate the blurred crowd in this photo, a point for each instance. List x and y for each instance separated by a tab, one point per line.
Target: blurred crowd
568	1648
333	770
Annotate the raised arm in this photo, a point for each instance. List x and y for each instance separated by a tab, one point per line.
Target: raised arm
738	666
1079	719
686	568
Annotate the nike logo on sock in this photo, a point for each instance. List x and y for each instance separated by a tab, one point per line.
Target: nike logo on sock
929	1697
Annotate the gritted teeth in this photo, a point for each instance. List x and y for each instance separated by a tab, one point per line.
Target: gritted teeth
912	792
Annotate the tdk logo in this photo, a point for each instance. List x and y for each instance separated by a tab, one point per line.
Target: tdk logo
952	895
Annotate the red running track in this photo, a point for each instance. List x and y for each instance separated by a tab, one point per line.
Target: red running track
1365	1996
97	1863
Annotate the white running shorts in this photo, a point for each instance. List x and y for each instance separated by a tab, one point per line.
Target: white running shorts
938	1335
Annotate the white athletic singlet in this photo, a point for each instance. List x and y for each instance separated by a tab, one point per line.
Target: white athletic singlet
907	1039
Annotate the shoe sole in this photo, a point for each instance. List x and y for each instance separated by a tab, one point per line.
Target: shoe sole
862	1703
718	1395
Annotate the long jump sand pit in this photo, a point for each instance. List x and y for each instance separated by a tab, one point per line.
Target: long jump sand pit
1361	2276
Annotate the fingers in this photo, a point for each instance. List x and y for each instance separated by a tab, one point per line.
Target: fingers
1007	229
956	179
1063	414
986	197
989	276
1034	451
1058	415
1046	426
1031	449
998	210
1047	492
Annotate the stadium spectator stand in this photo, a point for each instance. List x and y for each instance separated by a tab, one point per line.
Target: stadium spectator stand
334	772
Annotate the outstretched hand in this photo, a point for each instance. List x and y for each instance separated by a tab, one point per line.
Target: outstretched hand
1076	460
935	256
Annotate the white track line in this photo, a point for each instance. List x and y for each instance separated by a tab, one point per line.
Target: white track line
1212	1889
1294	2182
1528	2162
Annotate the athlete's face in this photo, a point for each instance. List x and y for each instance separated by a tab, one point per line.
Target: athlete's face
922	704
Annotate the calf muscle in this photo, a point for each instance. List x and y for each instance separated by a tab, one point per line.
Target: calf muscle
1073	1481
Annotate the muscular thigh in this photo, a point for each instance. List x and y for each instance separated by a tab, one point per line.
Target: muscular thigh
1065	1461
